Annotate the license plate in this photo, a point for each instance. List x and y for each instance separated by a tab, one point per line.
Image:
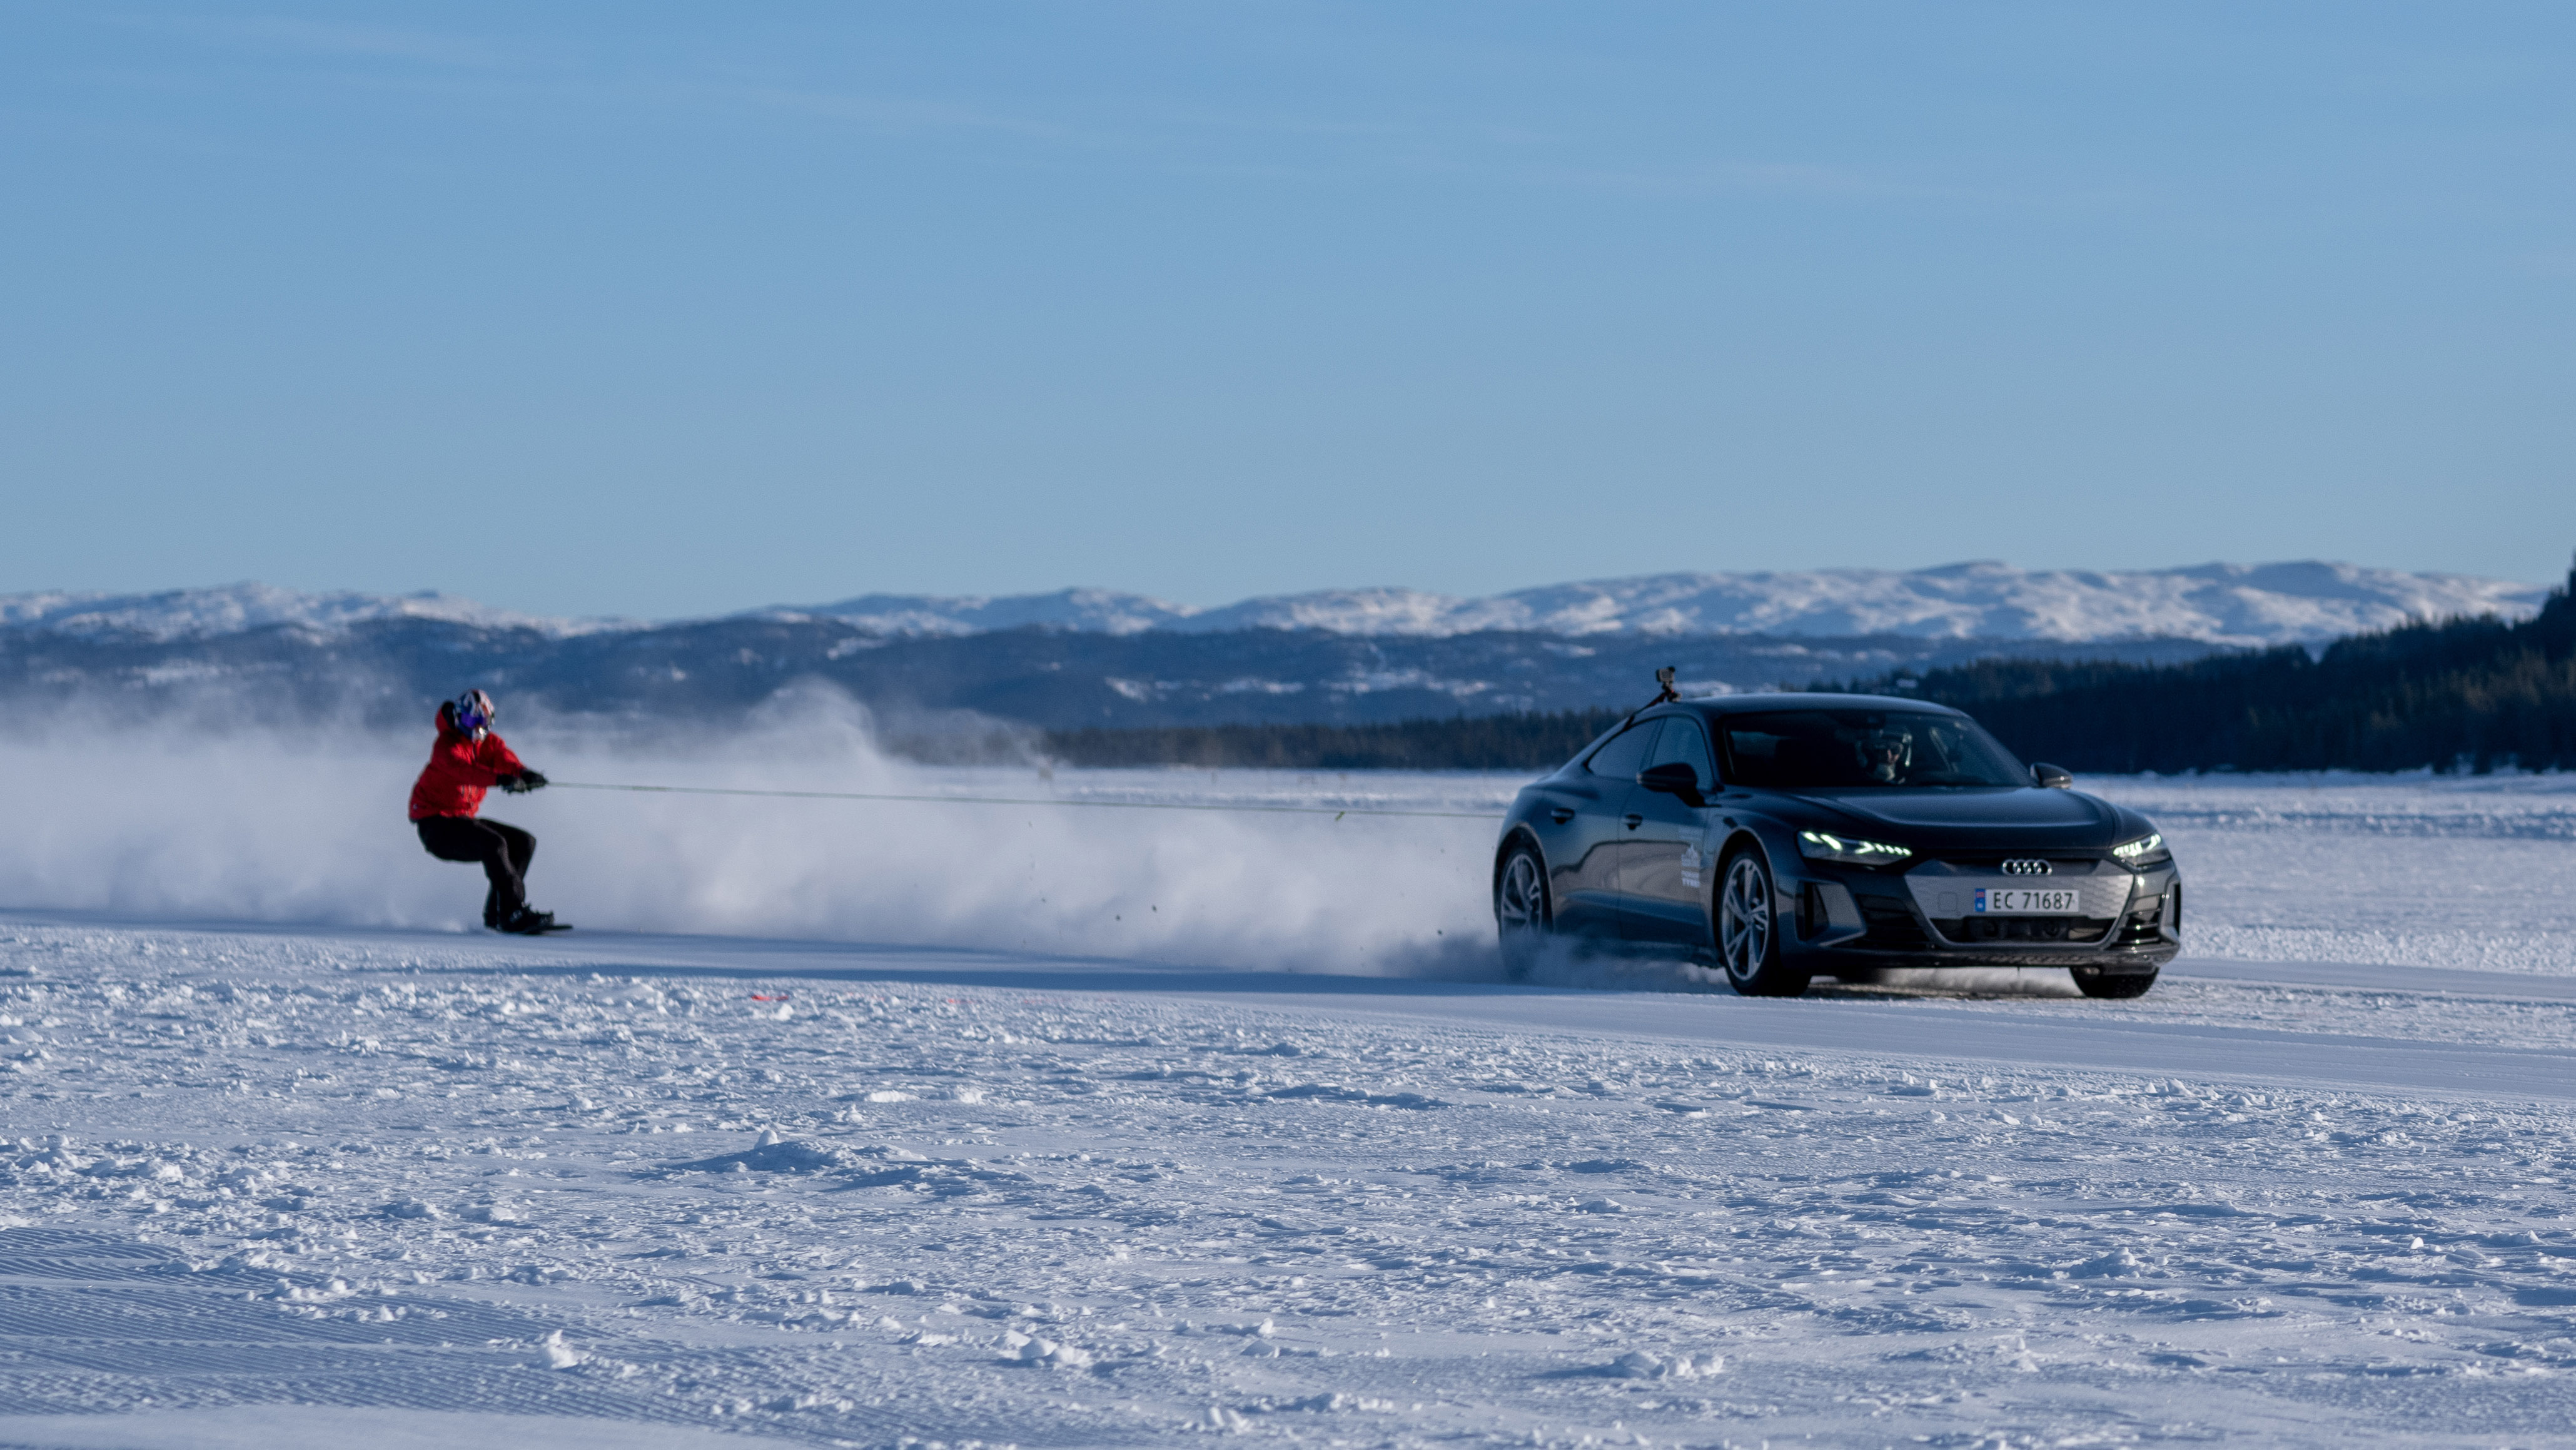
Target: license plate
2025	901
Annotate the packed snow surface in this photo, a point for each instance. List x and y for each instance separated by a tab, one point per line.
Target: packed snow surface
2224	604
998	1167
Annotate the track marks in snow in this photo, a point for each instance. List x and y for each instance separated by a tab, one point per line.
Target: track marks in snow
856	1212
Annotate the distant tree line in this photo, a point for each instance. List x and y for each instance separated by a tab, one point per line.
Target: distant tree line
1528	741
2471	694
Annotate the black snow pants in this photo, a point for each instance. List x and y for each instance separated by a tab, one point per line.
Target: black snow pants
505	852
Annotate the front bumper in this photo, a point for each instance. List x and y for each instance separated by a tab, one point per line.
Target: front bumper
2124	921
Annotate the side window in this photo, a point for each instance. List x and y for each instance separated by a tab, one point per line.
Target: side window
1625	755
1684	741
1763	759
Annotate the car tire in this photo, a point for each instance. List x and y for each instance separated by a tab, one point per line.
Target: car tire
1522	913
1748	931
2115	986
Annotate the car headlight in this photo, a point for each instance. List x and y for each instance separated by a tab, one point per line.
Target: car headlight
1817	846
2133	852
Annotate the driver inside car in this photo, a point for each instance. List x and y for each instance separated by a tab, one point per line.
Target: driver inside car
1884	754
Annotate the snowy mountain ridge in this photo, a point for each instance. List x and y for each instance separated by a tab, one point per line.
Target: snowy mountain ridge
2217	604
236	608
2221	604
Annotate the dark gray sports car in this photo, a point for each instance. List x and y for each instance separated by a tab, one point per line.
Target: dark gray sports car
1789	836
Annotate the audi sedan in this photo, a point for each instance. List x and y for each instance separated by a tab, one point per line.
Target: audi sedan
1788	836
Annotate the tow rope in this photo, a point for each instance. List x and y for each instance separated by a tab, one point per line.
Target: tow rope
1336	812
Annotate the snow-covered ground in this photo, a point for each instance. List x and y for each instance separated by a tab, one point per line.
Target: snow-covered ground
2471	872
997	1164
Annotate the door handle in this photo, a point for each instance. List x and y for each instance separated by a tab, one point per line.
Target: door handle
1633	820
1561	814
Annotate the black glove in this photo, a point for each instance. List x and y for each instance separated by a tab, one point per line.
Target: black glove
522	783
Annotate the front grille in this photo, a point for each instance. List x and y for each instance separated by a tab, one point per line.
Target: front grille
2024	928
1890	925
1947	891
2004	865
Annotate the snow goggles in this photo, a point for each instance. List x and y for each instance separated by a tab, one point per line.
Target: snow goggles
473	711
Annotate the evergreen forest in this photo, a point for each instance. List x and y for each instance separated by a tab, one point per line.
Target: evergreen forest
2466	695
1530	741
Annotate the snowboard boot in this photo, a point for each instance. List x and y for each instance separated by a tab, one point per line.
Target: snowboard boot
525	922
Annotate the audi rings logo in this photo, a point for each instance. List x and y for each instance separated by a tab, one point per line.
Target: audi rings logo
2027	868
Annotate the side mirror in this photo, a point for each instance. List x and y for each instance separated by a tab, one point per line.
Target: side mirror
1673	777
2054	777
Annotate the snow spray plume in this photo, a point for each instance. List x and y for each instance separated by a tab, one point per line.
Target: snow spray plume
269	820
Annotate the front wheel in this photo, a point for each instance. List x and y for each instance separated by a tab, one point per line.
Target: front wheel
1748	931
1521	909
2117	986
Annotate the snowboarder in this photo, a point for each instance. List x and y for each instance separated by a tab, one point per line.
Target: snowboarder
467	761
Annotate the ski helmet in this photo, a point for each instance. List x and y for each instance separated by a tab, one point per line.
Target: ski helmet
472	713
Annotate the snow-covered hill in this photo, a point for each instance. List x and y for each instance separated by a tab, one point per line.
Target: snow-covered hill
2228	604
2219	604
234	608
1091	611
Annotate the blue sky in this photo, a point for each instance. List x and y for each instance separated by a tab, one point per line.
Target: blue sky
667	309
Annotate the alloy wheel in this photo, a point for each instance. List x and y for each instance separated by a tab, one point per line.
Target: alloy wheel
1744	919
1520	899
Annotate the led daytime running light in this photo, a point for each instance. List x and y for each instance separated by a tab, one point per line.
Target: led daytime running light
1837	848
2143	846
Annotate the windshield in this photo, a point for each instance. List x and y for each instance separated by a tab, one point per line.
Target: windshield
1807	749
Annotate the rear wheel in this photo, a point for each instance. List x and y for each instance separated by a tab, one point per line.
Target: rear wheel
1521	908
2095	982
1748	931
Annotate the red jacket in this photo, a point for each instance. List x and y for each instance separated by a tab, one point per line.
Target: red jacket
461	768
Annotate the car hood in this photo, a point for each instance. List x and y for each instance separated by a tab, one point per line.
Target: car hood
2009	817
